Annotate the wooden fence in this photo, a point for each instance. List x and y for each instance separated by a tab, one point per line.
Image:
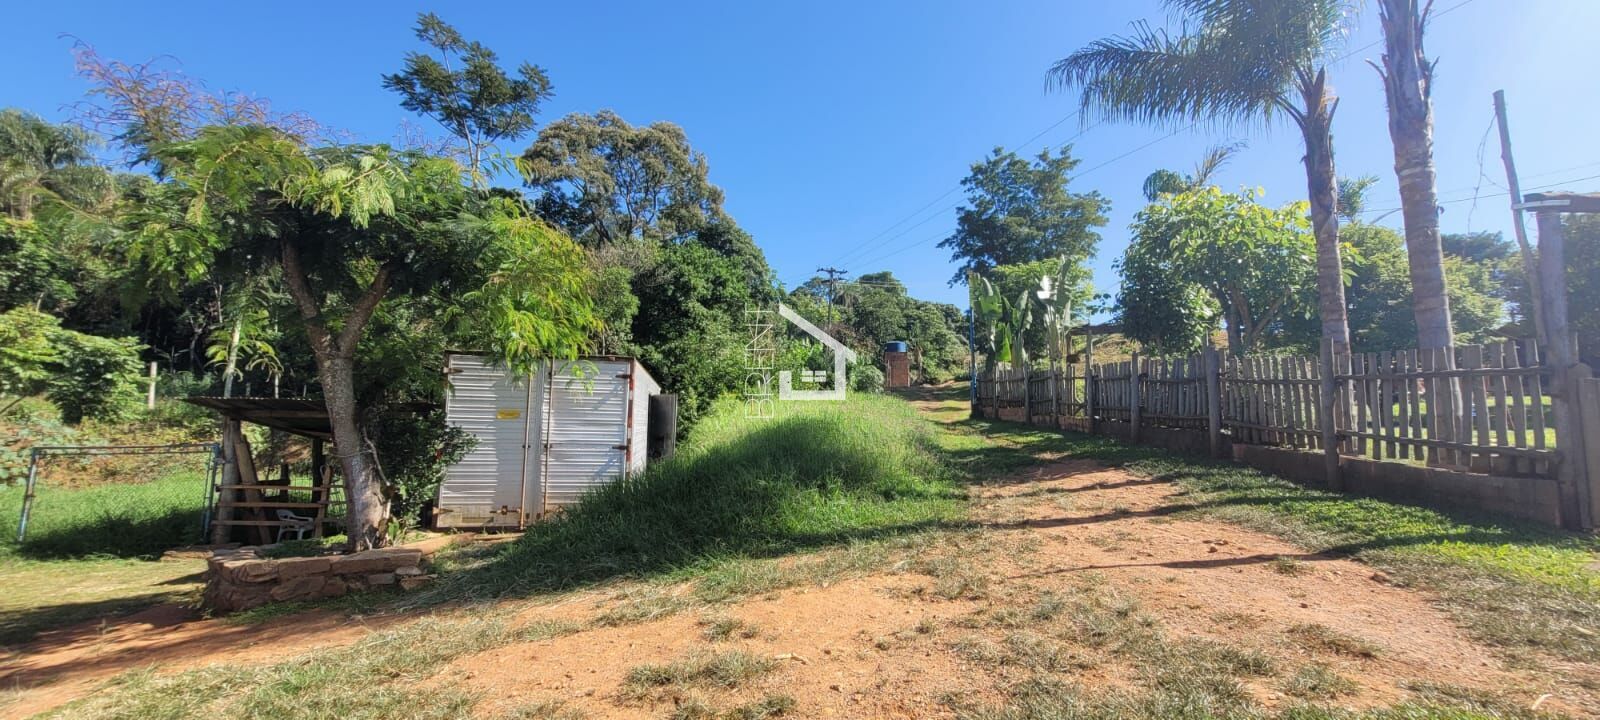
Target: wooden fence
1483	409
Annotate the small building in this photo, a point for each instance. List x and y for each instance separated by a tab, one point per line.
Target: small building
543	440
896	364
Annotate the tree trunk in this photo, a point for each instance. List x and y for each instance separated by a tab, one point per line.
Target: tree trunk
1316	124
367	510
232	365
366	504
1408	86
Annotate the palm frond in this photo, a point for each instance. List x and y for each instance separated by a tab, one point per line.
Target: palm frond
1231	62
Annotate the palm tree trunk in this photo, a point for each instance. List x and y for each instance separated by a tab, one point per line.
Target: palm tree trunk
1316	125
1408	83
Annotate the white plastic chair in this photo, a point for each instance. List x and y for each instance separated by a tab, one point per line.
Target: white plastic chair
292	523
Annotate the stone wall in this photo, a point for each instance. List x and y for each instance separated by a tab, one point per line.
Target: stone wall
242	578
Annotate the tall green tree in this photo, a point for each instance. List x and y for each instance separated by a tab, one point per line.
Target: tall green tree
347	230
1234	62
1254	263
463	88
1380	288
1022	212
1408	86
608	182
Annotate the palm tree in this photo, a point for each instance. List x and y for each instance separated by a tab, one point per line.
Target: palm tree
1168	182
1353	197
1408	85
1234	62
40	161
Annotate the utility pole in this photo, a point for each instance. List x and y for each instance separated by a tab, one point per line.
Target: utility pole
1529	268
833	274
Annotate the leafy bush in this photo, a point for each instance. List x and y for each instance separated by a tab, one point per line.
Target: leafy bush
95	376
85	375
27	351
866	377
414	450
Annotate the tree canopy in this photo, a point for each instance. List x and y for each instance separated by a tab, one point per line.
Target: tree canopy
1253	262
606	181
1021	212
466	91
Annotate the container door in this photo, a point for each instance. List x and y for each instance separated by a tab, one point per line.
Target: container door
587	428
486	487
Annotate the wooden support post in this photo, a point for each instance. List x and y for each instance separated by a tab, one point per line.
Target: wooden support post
1213	361
1328	405
1589	413
1055	396
1561	358
1088	379
220	529
1027	392
1135	372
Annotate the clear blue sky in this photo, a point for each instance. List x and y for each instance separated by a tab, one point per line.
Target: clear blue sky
827	123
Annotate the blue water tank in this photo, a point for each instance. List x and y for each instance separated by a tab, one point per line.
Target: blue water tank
899	346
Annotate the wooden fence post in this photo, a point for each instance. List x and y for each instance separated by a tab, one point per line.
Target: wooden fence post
1214	399
220	530
1055	396
150	397
1134	372
1328	401
1588	391
1088	380
1027	394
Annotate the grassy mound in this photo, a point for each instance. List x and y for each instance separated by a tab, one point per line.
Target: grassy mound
818	473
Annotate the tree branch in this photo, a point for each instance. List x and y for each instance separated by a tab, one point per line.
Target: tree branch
362	310
300	289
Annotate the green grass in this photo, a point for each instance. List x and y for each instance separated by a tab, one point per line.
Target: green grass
717	670
43	595
121	519
819	474
91	552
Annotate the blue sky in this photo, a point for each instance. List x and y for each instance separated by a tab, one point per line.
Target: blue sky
839	130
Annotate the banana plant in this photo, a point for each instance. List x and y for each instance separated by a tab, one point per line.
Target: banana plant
988	314
1055	298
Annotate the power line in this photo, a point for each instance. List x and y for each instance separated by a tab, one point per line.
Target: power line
1477	197
874	241
877	241
938	213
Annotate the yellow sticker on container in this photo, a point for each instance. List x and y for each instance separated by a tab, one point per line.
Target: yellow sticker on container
507	414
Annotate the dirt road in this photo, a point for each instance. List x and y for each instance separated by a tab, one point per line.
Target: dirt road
1074	574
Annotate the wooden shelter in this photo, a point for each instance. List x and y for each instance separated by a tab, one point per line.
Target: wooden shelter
247	500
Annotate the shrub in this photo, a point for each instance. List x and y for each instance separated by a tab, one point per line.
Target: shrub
85	375
94	376
414	450
27	351
866	377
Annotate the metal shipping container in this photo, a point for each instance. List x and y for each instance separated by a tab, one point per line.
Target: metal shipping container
543	440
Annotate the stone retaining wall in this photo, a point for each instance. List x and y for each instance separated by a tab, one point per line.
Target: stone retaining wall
241	578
